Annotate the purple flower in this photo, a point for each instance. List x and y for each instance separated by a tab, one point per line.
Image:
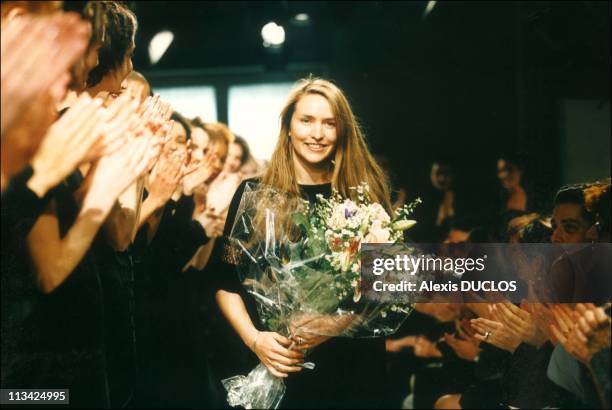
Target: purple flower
348	214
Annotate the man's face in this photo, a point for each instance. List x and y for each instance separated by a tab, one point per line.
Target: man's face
568	224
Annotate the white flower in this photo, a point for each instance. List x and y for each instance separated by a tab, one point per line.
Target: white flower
378	234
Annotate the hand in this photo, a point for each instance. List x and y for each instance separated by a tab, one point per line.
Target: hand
114	173
26	133
198	172
544	319
28	43
396	345
310	330
519	321
444	312
425	348
166	176
212	223
65	145
273	351
496	334
467	347
588	335
118	125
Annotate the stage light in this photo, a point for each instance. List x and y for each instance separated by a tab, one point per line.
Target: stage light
273	35
429	7
159	44
302	17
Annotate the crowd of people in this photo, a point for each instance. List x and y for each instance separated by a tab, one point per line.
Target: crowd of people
113	205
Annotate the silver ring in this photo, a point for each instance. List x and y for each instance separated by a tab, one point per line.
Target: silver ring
299	340
487	334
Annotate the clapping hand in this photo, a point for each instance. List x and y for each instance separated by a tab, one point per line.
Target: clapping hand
199	171
466	346
28	43
495	332
520	322
588	334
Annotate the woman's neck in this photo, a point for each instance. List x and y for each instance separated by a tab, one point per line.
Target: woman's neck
307	174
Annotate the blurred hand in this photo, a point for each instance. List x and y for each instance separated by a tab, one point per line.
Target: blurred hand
28	44
212	223
444	312
589	334
198	172
166	176
114	173
66	144
23	138
466	346
425	348
397	345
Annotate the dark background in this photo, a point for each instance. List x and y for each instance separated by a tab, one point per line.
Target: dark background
470	81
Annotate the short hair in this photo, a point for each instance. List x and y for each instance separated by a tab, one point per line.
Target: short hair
535	232
177	117
121	25
574	194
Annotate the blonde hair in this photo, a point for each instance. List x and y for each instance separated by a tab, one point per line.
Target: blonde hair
353	163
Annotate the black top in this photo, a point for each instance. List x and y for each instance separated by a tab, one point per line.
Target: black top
349	373
59	336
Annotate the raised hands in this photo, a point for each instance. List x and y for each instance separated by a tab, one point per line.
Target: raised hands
496	333
199	171
28	44
66	144
466	346
582	331
519	321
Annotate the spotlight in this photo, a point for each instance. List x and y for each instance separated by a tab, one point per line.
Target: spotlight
273	35
429	7
159	44
302	17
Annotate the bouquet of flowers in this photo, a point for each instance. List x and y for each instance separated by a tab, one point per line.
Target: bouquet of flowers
302	265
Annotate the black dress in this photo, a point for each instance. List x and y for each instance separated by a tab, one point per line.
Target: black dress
349	373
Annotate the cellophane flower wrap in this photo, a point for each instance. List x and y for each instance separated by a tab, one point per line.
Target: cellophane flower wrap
301	263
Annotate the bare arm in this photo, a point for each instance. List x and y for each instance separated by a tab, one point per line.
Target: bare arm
233	308
121	223
53	257
272	349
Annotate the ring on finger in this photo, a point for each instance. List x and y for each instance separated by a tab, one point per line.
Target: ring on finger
487	334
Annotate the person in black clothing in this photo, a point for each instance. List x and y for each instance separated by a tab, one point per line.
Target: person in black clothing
320	146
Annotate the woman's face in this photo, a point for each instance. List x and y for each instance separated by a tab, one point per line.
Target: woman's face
508	174
234	158
119	75
313	130
440	176
199	142
220	151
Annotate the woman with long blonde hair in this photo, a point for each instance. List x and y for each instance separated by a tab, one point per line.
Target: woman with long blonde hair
320	147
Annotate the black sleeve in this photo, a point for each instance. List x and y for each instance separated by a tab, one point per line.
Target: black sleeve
20	206
189	235
222	270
